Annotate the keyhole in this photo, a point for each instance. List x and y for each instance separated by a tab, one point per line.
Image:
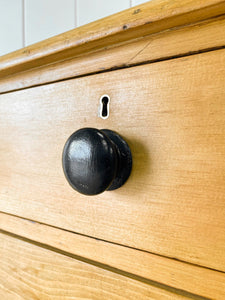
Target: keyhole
104	106
105	101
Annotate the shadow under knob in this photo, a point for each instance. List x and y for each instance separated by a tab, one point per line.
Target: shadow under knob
96	160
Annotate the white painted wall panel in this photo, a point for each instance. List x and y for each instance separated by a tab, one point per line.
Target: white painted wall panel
137	2
11	25
46	18
91	10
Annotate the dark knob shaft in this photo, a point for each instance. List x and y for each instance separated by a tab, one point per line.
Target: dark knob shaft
96	160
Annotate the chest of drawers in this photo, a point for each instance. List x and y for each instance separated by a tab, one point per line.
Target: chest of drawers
161	235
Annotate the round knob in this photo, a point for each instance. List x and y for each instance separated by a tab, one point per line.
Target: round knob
96	160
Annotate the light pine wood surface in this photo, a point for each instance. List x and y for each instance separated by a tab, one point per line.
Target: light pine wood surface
145	19
179	41
29	272
160	236
171	113
169	272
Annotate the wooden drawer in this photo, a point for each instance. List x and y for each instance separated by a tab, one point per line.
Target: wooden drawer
29	272
161	235
172	115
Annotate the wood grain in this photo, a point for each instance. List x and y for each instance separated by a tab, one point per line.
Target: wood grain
171	113
148	18
29	272
170	272
197	37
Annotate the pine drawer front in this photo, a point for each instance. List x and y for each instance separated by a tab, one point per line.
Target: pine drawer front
159	236
172	115
37	273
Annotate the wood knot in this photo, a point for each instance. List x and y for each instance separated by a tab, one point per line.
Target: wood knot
136	11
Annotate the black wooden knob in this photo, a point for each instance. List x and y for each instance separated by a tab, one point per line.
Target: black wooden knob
96	160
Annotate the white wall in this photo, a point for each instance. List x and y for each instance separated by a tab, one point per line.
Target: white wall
24	22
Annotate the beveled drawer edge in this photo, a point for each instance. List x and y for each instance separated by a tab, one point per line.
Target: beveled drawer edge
146	19
139	264
181	41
